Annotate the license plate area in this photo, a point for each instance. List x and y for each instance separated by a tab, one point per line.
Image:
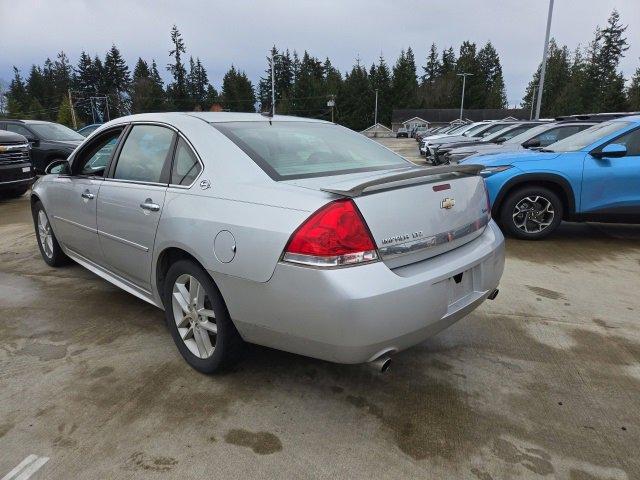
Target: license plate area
26	169
459	286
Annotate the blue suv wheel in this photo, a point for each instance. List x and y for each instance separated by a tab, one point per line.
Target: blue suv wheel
531	213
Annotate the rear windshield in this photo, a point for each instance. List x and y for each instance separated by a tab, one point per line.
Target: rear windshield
586	137
290	150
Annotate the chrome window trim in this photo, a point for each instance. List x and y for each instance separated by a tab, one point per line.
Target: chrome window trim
134	182
123	241
180	134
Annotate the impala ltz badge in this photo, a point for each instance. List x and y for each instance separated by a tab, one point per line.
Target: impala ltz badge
447	203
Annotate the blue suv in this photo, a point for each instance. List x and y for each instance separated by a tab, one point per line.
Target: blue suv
593	175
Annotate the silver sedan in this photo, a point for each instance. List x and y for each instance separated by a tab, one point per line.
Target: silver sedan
292	233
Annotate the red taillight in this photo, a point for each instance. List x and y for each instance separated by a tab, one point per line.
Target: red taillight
486	191
333	236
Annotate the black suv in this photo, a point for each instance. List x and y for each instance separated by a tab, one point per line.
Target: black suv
16	170
49	141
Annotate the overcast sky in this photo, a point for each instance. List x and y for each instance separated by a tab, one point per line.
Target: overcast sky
241	32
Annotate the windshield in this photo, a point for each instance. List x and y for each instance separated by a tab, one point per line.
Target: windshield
55	131
586	137
531	133
290	150
507	132
474	129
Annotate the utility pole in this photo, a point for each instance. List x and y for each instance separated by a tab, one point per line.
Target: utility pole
331	103
464	83
73	110
533	96
273	86
375	115
543	67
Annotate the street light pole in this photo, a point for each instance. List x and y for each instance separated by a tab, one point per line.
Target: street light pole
273	86
543	67
375	115
533	96
464	84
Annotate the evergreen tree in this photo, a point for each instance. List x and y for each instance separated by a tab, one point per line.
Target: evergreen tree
237	92
474	92
198	85
64	113
432	69
117	81
147	94
380	79
17	95
633	94
283	82
495	95
36	89
308	91
177	91
405	83
356	101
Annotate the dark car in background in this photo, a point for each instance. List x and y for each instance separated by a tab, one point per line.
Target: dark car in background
16	170
49	141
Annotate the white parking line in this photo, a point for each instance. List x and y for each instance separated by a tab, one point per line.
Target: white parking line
26	468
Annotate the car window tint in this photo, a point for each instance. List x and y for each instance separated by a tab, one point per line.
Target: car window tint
565	132
19	129
549	137
185	165
630	140
143	154
94	157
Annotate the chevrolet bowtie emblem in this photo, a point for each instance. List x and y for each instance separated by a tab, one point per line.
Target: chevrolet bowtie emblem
447	203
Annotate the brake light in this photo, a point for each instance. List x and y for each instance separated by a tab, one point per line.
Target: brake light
486	191
336	235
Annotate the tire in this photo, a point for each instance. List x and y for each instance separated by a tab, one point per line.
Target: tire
48	244
541	213
193	333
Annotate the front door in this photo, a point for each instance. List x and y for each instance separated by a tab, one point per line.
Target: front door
131	201
611	186
73	201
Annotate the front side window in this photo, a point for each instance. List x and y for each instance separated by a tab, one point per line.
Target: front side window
19	129
587	137
290	150
185	165
144	154
92	160
630	140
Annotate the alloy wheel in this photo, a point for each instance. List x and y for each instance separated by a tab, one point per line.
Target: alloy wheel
533	214
45	234
194	317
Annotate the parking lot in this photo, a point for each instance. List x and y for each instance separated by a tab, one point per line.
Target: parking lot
542	382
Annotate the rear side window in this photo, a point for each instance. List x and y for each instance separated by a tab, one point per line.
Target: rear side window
144	154
185	165
290	150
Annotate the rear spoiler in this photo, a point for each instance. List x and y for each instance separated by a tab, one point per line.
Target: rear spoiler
355	190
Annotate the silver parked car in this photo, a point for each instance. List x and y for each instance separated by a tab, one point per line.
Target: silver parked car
296	234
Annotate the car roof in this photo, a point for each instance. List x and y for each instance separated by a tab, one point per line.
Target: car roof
212	117
26	122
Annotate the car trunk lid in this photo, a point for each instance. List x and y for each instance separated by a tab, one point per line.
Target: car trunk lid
415	213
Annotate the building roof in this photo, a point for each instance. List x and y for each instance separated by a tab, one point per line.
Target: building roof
377	126
446	115
415	118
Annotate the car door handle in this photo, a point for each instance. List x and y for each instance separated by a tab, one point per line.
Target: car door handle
149	205
88	195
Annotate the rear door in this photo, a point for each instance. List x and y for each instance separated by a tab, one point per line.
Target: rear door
131	201
611	186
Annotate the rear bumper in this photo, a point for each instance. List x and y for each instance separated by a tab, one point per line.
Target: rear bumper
352	315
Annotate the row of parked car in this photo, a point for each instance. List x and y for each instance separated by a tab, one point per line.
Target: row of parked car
28	146
579	168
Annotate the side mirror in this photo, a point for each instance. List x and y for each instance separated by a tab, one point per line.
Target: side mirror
500	140
531	143
58	167
613	150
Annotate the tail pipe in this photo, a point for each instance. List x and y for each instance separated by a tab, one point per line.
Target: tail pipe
493	294
381	364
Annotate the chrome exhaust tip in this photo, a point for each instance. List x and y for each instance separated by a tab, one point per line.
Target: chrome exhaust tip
493	294
381	364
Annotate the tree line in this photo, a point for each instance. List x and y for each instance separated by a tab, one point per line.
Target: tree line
583	81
